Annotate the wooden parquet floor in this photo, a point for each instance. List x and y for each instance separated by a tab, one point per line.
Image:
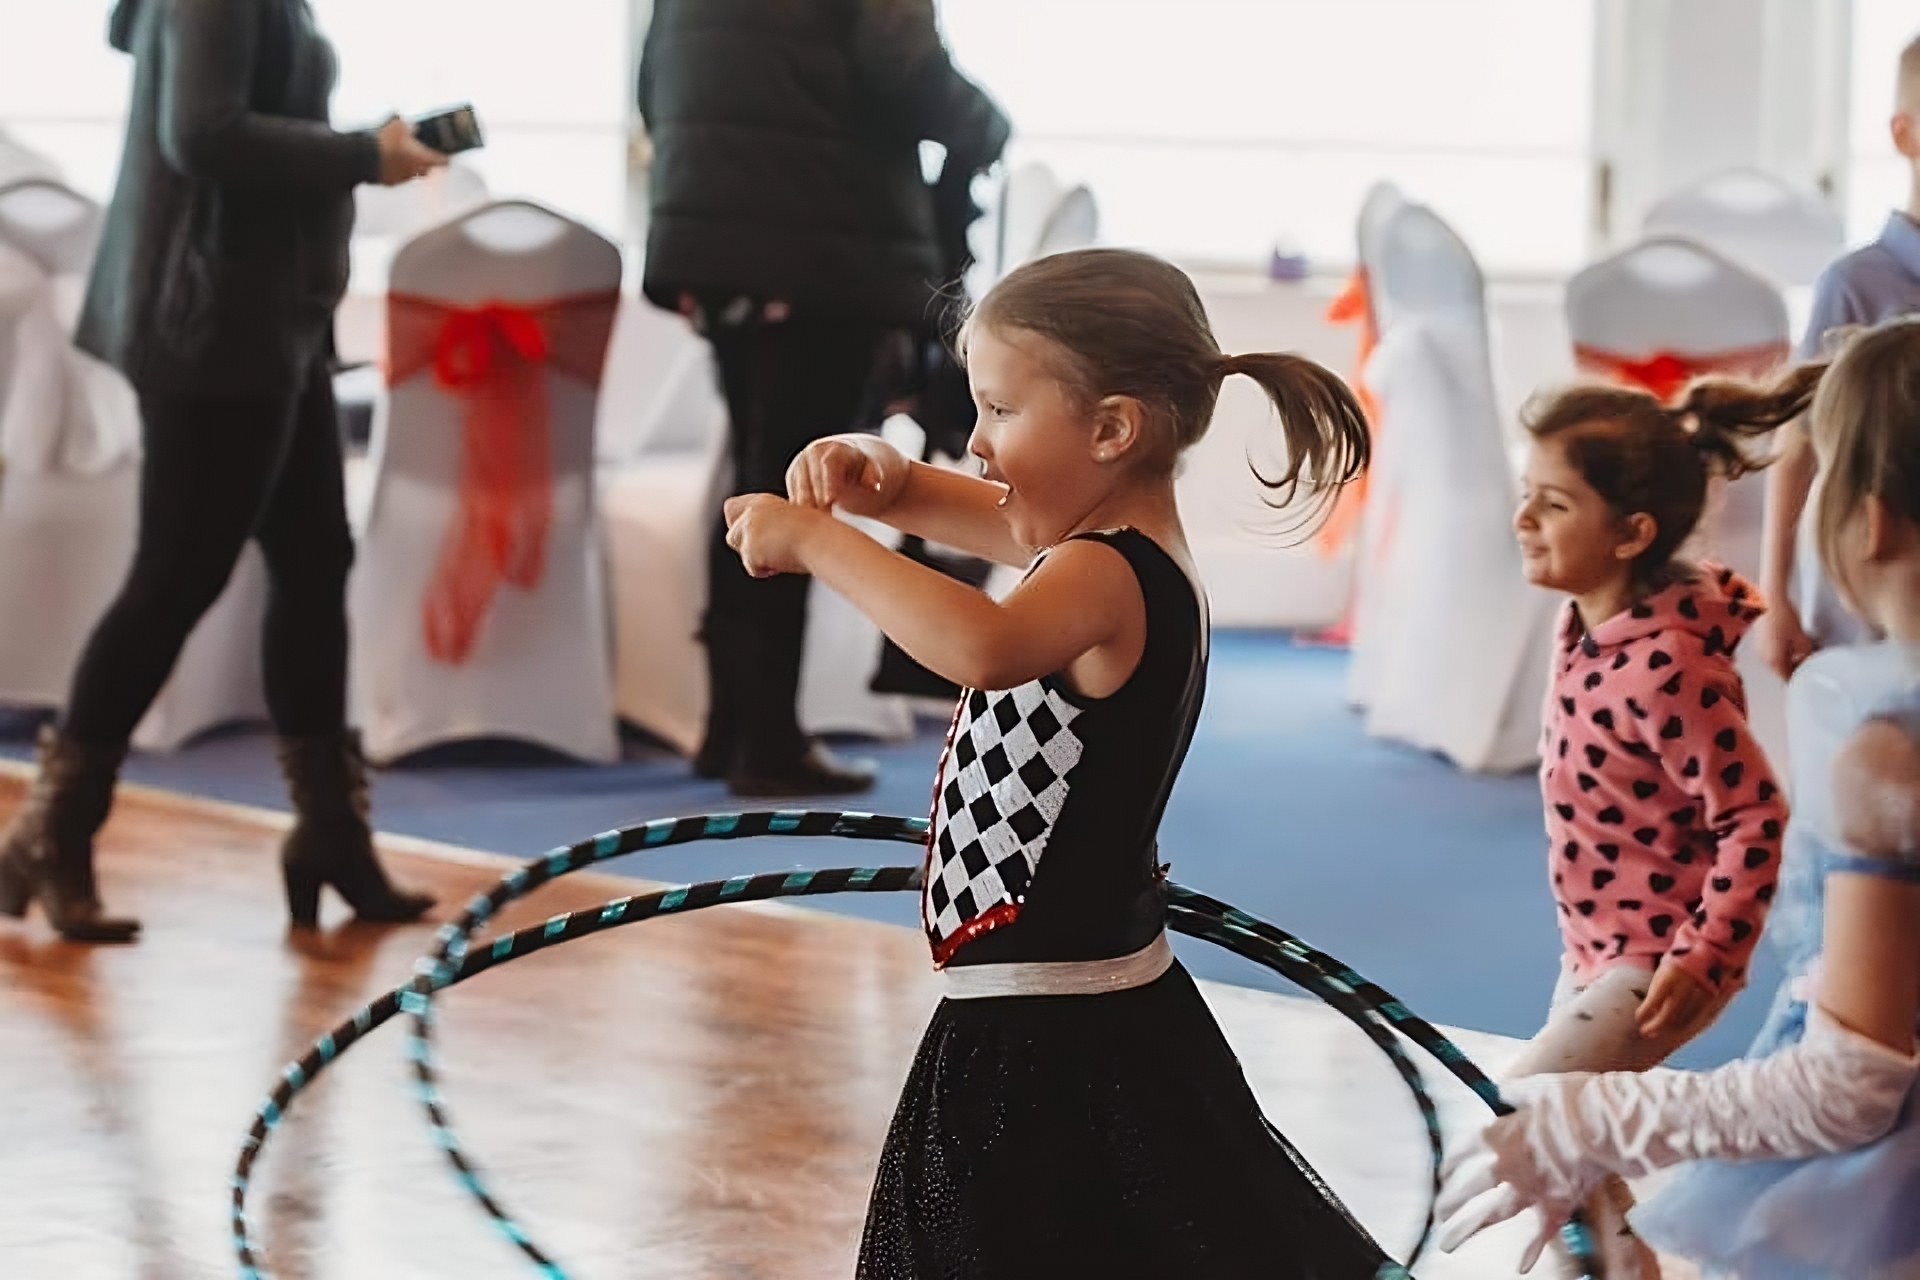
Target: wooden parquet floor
697	1096
692	1097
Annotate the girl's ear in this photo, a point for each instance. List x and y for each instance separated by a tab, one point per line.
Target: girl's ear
1119	425
1637	534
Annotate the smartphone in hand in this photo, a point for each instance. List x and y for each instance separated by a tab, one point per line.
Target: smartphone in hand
451	131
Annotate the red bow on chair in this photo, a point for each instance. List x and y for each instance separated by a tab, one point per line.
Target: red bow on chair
495	358
1664	373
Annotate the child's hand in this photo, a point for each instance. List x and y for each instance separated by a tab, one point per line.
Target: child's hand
767	532
1677	1004
861	474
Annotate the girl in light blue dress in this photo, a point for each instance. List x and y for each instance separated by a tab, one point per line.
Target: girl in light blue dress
1803	1160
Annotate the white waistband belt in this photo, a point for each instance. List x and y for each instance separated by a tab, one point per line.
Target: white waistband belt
1058	978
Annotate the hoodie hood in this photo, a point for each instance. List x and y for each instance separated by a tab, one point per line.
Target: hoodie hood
1717	607
120	25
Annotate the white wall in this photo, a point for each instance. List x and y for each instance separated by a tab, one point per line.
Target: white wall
1209	129
1879	179
1687	88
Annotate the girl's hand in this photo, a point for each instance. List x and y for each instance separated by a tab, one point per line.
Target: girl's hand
404	157
768	532
1677	1004
1783	639
861	474
1513	1164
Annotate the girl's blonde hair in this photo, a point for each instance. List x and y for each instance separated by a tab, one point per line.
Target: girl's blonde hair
1129	324
1866	421
1644	456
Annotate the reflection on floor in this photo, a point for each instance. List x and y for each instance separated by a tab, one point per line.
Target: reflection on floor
704	1096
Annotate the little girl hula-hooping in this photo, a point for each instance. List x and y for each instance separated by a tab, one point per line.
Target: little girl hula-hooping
1073	1110
1809	1153
1663	819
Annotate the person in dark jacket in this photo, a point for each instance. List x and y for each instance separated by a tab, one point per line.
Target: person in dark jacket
791	221
223	257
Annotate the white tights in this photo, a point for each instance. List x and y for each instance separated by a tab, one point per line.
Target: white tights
1593	1028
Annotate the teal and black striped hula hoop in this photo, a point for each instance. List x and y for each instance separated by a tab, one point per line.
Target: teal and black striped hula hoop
1376	1012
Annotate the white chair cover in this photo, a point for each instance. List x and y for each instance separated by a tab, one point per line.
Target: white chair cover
66	534
70	441
1073	224
1776	229
1451	646
1677	296
51	221
661	504
19	161
538	669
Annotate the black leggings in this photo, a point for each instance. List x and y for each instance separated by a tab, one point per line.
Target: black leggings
215	473
787	384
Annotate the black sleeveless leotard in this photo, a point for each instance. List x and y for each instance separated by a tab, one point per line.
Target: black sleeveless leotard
1100	1136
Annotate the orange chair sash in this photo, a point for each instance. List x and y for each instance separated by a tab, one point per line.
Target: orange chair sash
495	358
1351	306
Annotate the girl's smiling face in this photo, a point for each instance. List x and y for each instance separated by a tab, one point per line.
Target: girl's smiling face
1034	436
1571	539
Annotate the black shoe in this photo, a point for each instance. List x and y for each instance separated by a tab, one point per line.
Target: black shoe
710	761
47	851
817	773
331	842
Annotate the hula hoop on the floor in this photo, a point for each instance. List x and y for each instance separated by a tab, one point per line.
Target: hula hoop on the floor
1375	1011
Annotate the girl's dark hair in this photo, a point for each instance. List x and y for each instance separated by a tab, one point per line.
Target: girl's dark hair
1645	457
1129	324
1866	420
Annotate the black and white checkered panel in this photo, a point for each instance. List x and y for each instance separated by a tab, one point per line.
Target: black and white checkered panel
1002	787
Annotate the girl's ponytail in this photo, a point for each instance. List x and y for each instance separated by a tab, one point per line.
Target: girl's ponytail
1645	457
1727	414
1326	432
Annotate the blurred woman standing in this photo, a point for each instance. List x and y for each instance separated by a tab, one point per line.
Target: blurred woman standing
223	258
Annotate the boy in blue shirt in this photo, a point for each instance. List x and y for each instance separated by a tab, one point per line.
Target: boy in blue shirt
1864	287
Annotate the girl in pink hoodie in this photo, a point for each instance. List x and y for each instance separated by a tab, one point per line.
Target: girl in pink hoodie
1663	818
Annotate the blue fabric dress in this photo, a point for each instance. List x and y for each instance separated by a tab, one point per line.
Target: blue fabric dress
1851	1216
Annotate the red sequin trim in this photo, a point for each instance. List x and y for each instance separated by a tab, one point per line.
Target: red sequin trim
988	920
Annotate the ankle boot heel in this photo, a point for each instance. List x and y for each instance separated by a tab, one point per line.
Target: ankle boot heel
16	889
303	896
46	853
332	842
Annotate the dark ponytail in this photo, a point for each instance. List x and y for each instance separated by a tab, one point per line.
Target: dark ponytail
1325	428
1129	324
1645	457
1727	414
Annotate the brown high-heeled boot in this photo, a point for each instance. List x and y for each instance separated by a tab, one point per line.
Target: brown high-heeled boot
47	851
331	842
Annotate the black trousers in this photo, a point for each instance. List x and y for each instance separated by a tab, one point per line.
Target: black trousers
787	384
217	472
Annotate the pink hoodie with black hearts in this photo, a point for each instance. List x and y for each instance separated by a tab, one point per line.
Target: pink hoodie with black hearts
1663	814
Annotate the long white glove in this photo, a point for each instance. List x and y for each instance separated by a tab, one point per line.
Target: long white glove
1834	1091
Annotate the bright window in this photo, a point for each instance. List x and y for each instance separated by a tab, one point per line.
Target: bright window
1211	129
549	80
1878	177
63	90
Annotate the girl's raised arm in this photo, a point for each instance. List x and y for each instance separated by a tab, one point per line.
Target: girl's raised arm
866	476
1082	600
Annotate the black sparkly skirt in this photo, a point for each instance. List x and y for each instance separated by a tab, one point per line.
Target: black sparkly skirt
1100	1136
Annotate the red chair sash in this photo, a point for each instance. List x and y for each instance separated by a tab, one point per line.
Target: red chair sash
494	357
1665	373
